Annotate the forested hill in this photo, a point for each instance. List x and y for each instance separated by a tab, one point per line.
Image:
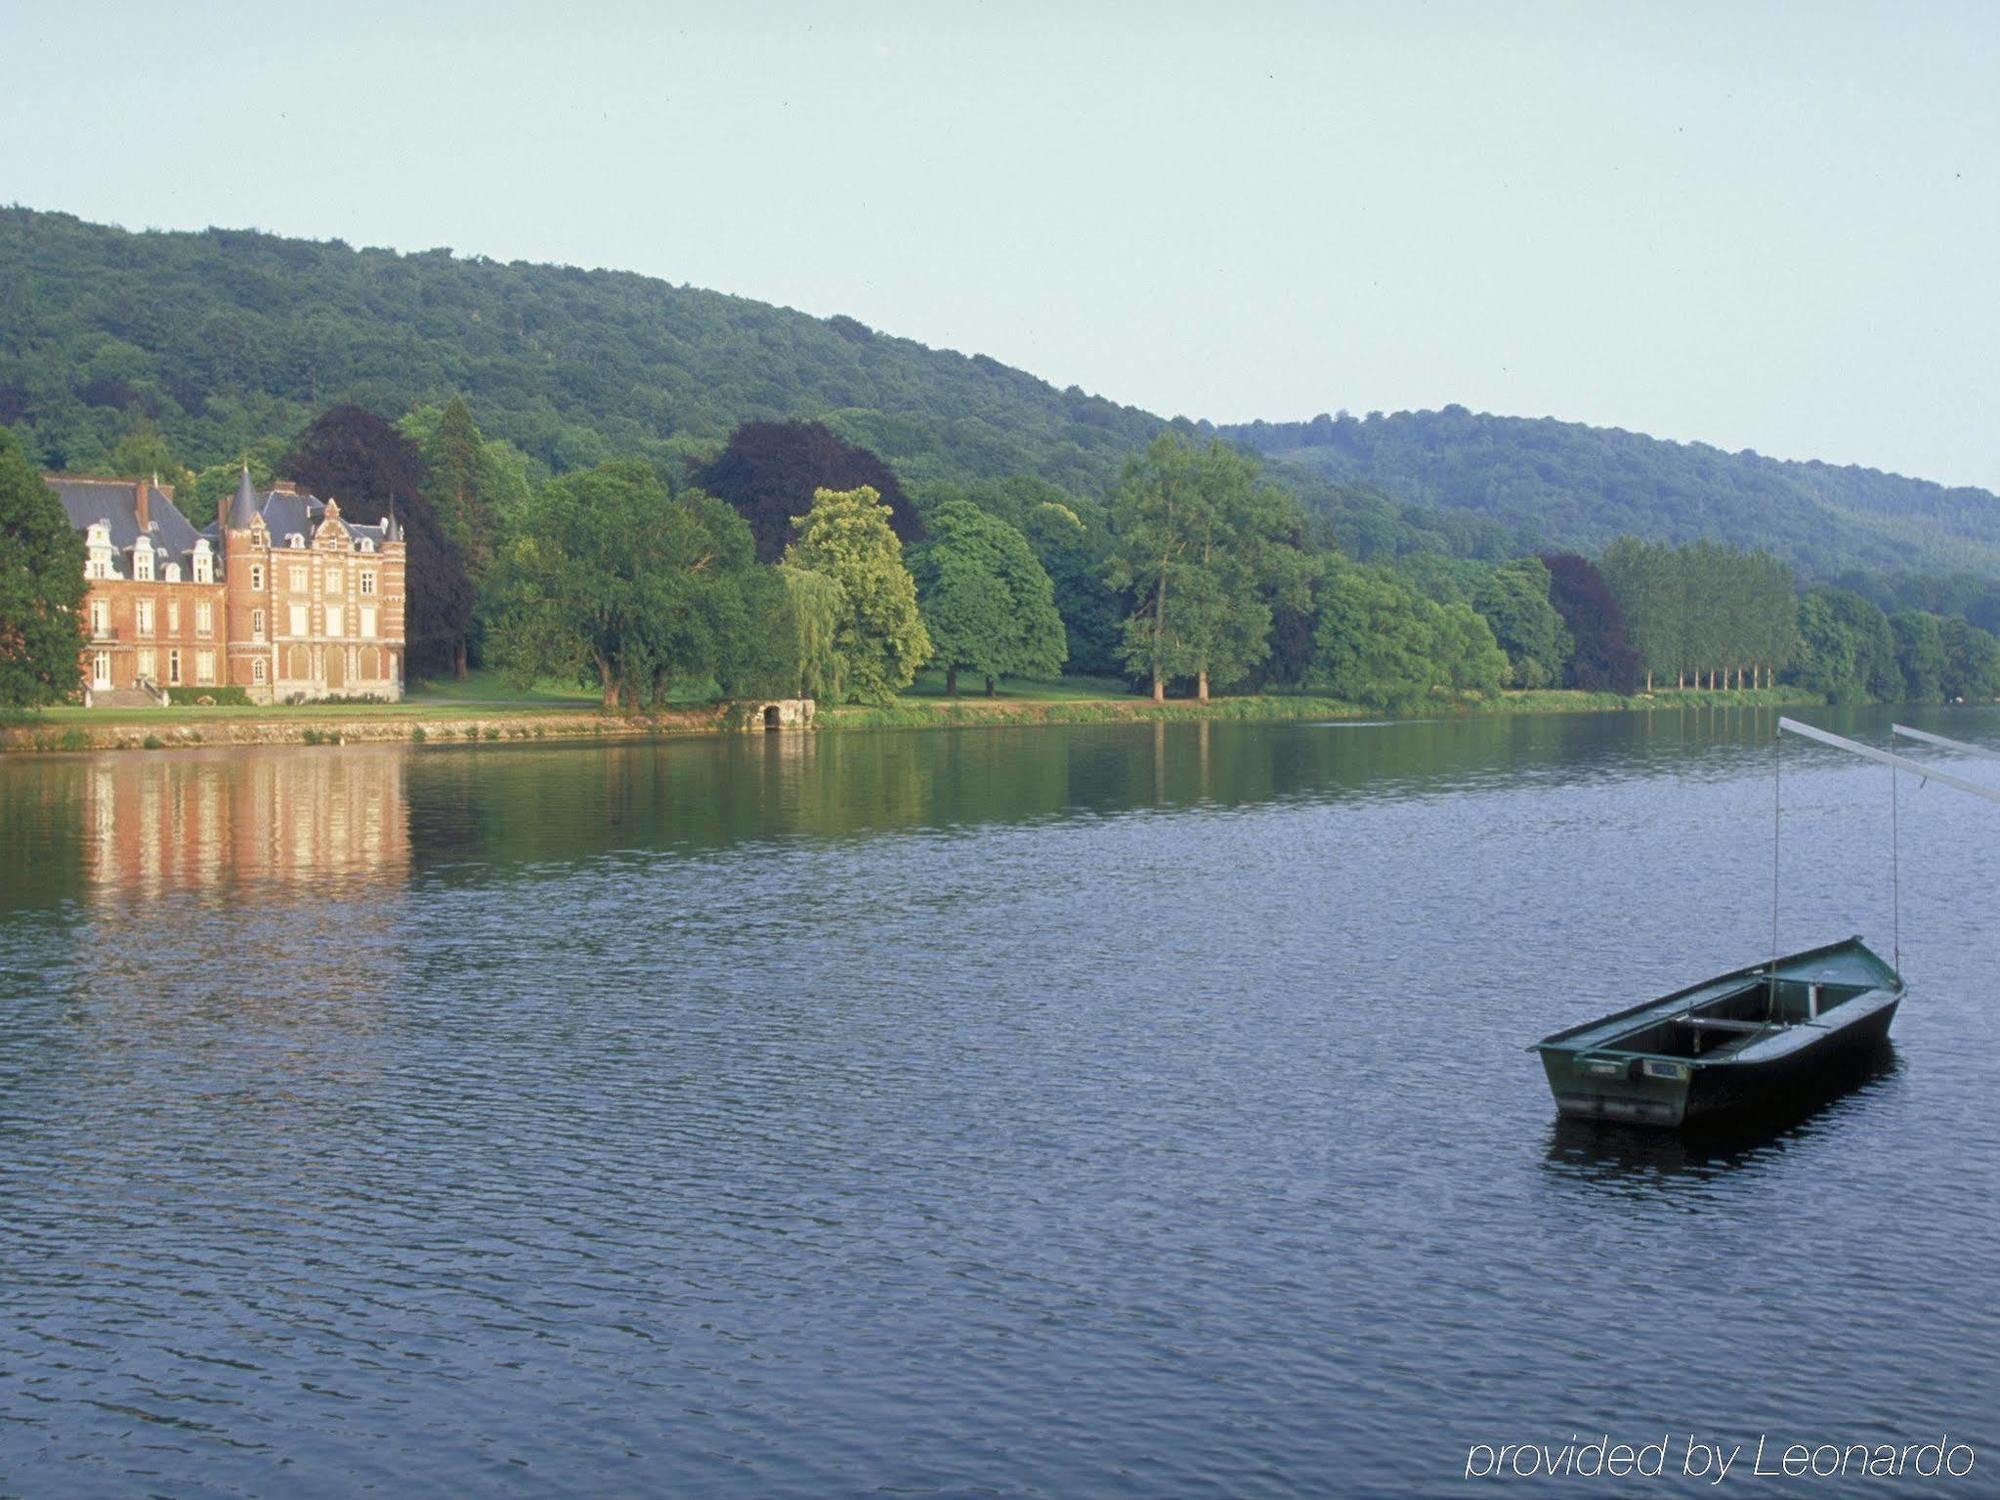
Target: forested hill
1563	484
226	337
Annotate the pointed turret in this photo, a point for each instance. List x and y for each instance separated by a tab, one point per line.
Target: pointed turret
243	509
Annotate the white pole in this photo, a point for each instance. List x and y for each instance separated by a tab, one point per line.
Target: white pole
1938	739
1903	763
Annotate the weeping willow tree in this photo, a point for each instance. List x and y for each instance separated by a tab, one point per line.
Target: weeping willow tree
817	603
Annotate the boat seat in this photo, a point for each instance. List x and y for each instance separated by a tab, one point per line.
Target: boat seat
1718	1023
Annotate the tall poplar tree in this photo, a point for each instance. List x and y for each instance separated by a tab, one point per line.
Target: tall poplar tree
455	460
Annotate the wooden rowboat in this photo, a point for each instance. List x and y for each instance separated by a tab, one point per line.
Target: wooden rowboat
1758	1040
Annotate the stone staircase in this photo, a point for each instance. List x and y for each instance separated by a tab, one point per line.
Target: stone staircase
132	697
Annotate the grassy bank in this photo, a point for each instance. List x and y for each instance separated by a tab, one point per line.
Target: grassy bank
486	709
1024	704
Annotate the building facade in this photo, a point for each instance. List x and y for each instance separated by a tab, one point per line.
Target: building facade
281	596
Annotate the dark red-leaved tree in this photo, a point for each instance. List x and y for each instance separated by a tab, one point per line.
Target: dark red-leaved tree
1604	660
353	456
770	470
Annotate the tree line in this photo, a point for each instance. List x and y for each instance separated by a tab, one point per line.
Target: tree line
791	561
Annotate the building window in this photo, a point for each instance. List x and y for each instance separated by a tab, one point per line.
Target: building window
100	669
298	580
100	618
149	663
173	572
256	624
298	619
142	560
174	668
332	581
368	544
295	540
142	616
367	583
204	666
257	671
204	562
173	617
368	621
256	578
204	618
98	540
335	618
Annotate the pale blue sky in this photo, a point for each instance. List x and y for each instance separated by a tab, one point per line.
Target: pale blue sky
1768	226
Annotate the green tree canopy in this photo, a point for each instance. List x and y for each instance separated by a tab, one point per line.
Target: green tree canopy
986	600
1846	649
816	606
41	586
1205	551
881	637
1920	654
1073	544
1380	643
1514	599
614	581
1971	663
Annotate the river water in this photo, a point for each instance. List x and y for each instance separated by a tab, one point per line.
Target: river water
1096	1111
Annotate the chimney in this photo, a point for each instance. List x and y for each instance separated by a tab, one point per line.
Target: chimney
141	493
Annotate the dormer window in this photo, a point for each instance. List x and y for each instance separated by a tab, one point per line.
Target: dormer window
294	539
98	559
204	562
173	572
367	544
142	560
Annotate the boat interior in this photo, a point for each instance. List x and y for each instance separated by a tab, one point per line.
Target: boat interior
1730	1021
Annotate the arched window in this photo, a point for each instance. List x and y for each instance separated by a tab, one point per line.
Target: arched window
173	572
256	578
257	671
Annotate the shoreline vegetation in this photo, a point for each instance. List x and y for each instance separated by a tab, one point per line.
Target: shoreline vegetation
484	711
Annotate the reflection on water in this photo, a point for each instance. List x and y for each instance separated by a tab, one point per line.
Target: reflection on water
1612	1153
256	826
1110	1110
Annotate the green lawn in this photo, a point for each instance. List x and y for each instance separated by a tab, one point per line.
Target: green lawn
480	694
930	684
486	688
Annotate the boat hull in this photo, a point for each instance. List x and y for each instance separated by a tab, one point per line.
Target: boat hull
1767	1040
1709	1095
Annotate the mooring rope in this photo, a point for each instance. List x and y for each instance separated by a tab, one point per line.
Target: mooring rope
1777	827
1895	875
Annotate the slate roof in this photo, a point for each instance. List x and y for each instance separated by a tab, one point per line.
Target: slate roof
88	501
243	509
286	512
284	509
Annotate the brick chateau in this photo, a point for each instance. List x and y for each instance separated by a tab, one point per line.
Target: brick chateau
279	595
